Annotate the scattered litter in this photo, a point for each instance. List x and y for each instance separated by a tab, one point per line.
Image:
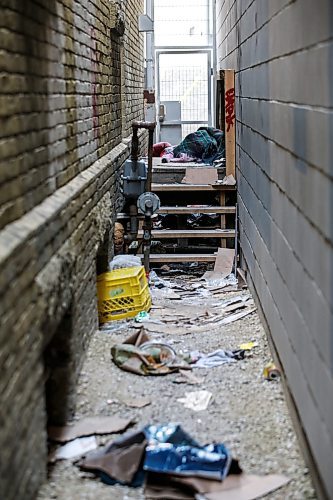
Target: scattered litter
196	400
237	316
234	300
142	316
159	452
271	372
172	464
75	448
241	304
216	281
136	402
141	356
248	346
187	377
88	427
216	358
164	293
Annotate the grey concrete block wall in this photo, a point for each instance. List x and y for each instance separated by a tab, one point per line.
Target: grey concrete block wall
67	101
283	56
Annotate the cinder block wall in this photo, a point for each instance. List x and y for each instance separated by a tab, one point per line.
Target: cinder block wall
282	52
71	82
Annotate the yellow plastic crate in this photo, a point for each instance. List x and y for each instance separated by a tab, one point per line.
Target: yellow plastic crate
121	282
122	294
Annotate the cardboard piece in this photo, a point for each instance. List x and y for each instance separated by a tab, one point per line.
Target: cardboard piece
88	427
224	261
234	317
234	487
200	175
248	487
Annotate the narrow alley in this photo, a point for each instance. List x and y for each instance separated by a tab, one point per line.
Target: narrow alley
166	249
246	412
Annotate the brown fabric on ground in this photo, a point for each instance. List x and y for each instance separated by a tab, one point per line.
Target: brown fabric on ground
121	459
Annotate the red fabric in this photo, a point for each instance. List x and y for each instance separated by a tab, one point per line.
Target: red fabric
159	147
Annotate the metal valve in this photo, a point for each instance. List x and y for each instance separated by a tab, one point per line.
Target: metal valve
148	203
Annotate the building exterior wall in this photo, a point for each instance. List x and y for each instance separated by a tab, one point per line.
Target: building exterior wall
66	106
282	52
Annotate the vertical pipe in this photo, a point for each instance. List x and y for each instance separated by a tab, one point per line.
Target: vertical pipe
135	144
236	240
150	159
150	56
214	81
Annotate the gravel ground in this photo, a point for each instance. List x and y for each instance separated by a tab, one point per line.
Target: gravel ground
248	413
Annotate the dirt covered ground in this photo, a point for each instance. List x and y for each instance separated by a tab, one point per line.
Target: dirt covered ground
247	412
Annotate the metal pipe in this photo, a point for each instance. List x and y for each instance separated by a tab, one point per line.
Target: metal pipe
133	210
135	144
150	50
236	240
150	159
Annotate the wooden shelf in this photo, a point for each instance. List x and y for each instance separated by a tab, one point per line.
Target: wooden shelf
158	234
181	257
196	210
191	187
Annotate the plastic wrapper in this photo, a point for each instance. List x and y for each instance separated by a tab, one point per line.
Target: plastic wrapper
156	281
172	451
222	282
168	433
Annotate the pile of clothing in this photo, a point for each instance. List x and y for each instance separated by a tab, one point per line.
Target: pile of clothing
206	145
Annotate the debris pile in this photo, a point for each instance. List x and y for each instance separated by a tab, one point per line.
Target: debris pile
171	464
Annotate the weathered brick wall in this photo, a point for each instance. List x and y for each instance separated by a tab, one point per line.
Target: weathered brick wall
282	52
63	140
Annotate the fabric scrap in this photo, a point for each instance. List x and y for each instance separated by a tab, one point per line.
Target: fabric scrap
119	461
215	358
135	357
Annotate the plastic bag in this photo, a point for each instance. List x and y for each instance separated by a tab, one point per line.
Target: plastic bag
171	450
122	261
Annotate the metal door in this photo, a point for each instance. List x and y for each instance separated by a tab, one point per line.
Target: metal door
184	77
